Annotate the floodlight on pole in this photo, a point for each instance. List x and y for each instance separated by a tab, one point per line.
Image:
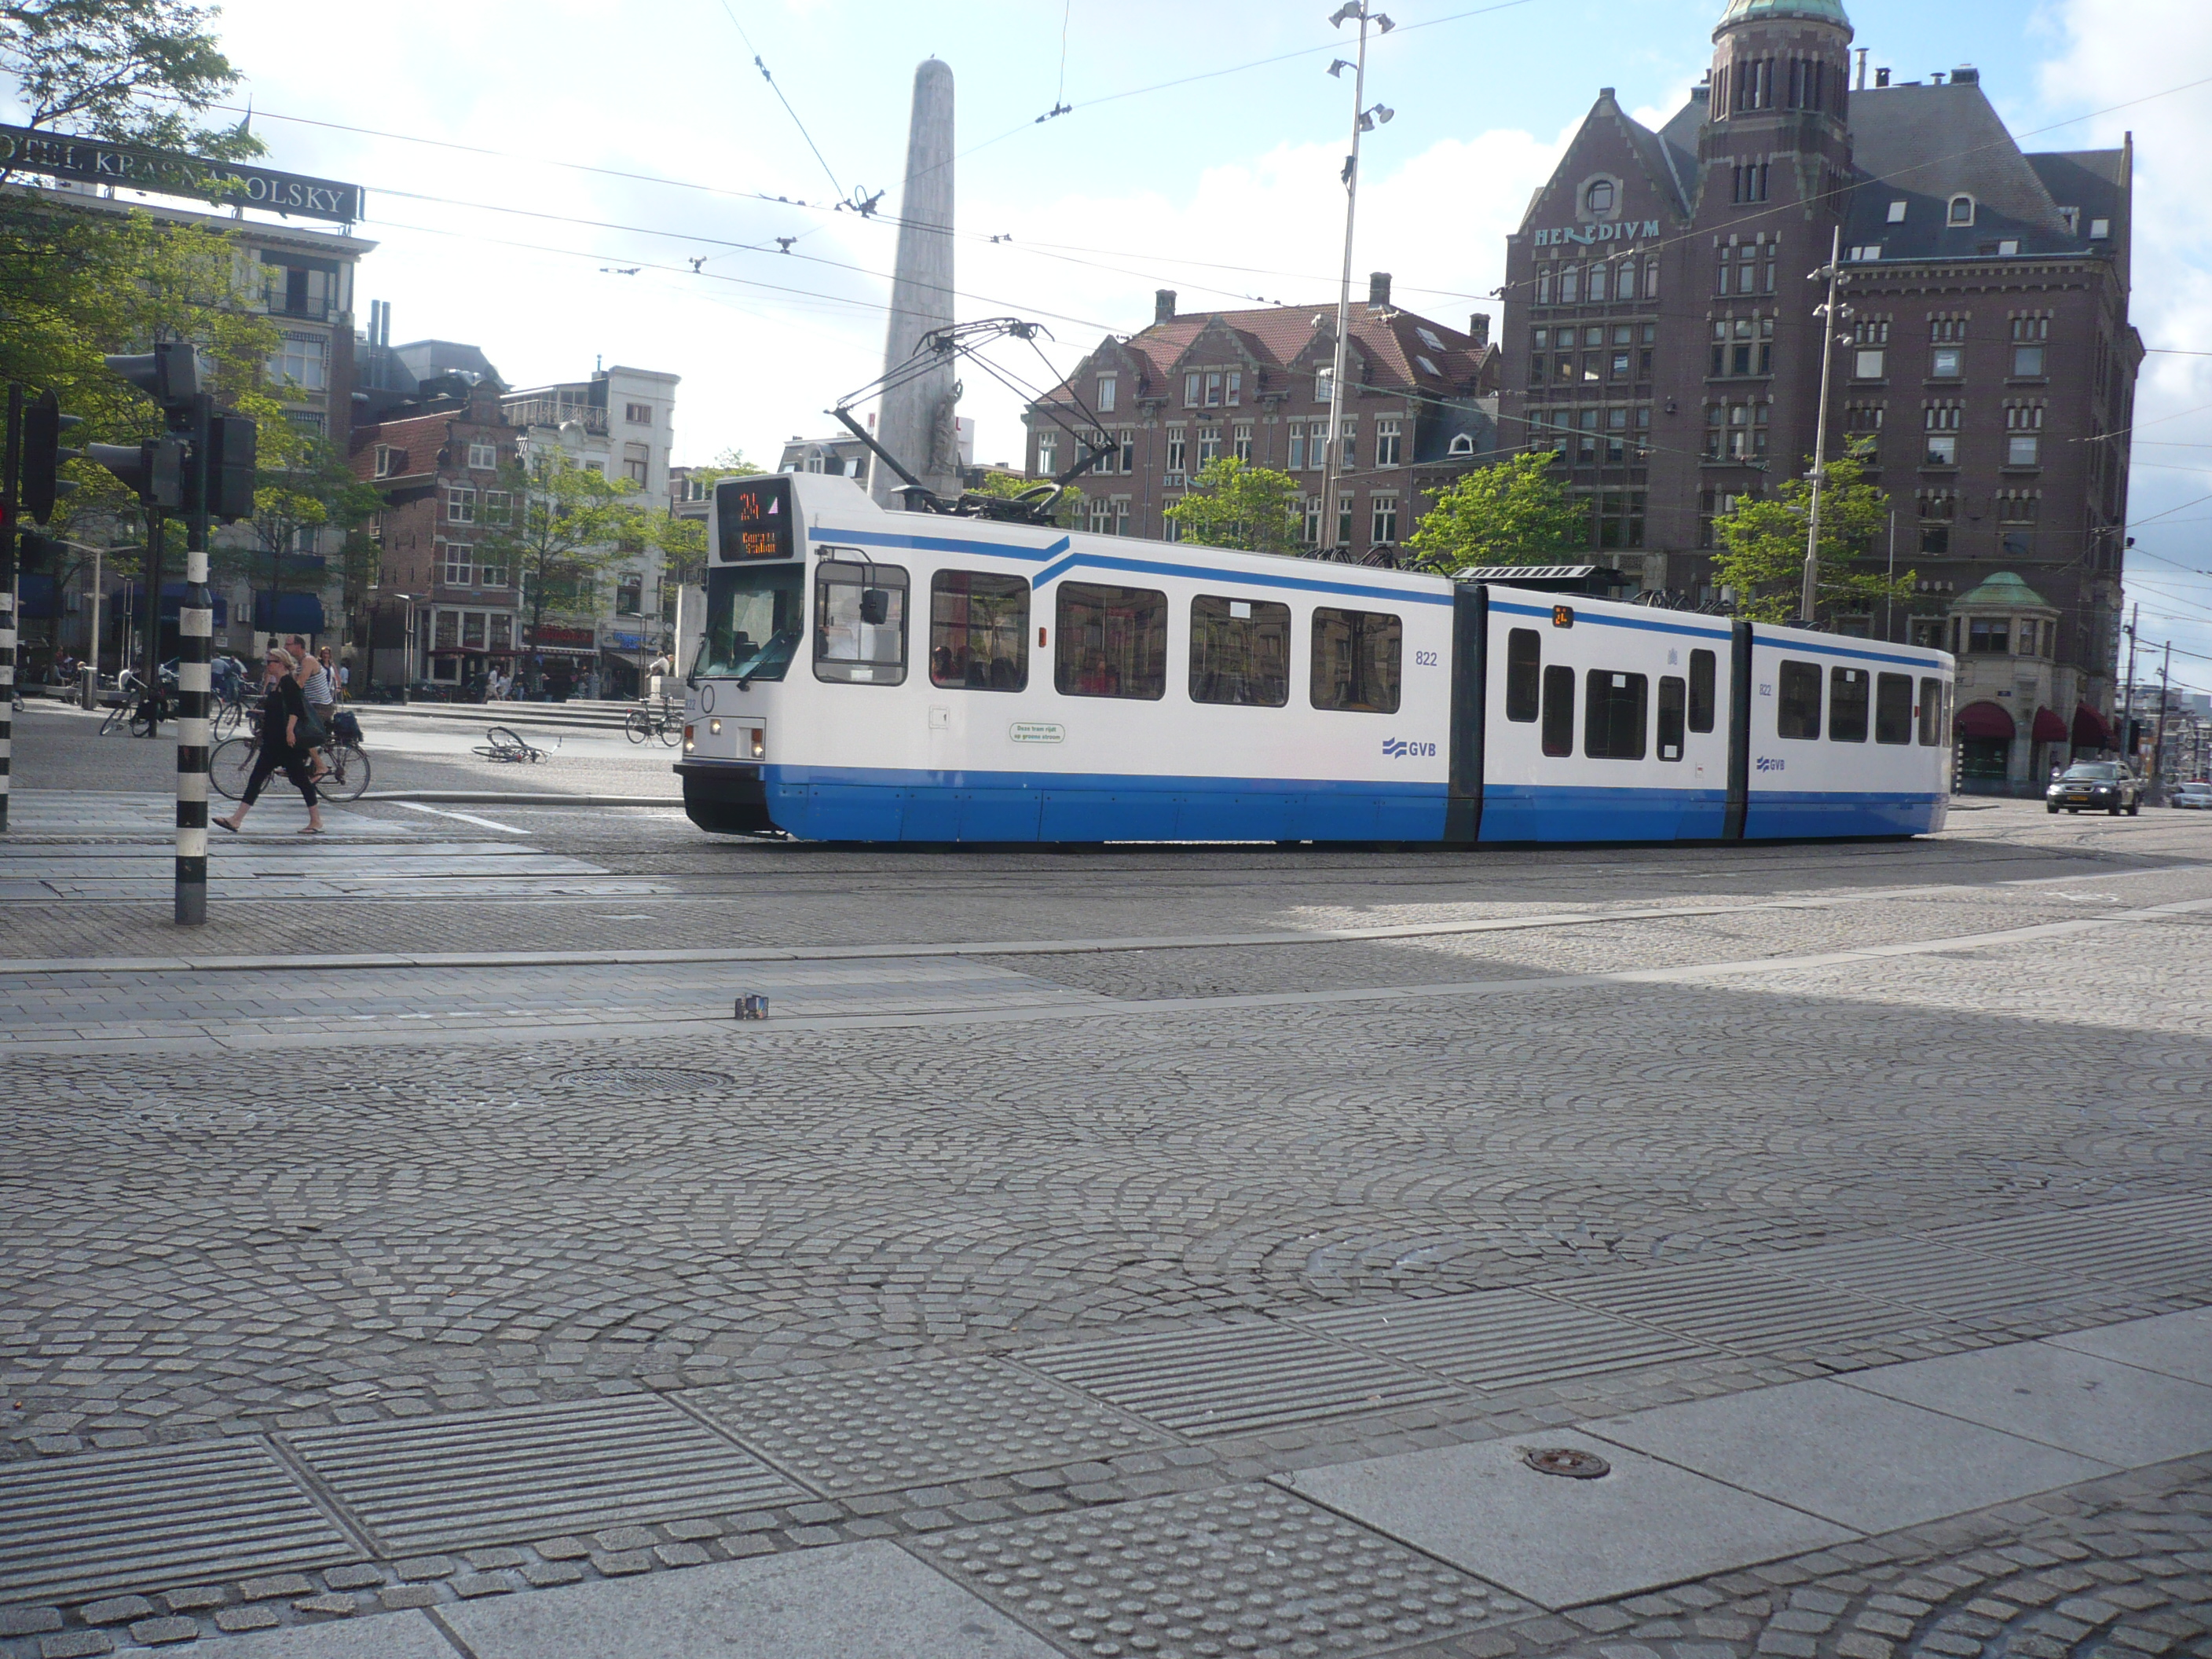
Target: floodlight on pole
1363	120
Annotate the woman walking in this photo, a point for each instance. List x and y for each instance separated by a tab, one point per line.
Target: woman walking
284	709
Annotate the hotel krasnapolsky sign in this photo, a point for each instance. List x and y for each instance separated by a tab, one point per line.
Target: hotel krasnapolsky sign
164	173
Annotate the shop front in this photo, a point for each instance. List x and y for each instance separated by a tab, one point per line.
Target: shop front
464	647
555	660
1986	733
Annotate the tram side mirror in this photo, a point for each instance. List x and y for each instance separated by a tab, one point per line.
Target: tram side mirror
875	606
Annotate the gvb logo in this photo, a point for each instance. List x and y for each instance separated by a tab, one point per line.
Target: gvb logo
1766	765
1396	747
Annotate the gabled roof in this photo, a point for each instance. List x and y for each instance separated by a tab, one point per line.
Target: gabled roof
1670	168
1277	338
1924	145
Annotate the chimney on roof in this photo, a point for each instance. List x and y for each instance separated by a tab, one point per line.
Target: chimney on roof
1478	329
1378	290
1163	304
1882	77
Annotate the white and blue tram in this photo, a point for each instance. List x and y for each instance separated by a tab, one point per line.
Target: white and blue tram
869	676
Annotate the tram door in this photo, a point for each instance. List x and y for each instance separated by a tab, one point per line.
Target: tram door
1470	681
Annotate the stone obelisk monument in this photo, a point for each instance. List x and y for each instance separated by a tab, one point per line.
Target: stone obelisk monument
916	420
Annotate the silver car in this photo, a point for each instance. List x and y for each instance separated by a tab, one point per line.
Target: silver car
2198	795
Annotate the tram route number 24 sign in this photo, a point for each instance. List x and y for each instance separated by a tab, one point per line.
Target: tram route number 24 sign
753	517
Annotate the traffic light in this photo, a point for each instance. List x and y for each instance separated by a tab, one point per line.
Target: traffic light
38	555
172	374
153	470
43	455
232	441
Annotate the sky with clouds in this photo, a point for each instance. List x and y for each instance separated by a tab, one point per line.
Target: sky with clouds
535	152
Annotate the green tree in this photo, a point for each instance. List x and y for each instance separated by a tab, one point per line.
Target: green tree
683	541
130	71
1232	503
1516	511
569	526
1762	541
1065	503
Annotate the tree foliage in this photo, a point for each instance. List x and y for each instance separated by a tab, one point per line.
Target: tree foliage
130	71
1232	503
569	527
1516	511
1762	542
683	541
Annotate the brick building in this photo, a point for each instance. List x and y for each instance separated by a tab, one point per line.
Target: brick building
1422	408
440	612
1659	330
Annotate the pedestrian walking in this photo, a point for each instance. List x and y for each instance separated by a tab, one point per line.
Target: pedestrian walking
320	692
283	712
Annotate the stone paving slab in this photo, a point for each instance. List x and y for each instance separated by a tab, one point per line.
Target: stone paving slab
869	1601
2080	1402
1562	1541
1504	1338
2175	1345
1847	1456
391	1636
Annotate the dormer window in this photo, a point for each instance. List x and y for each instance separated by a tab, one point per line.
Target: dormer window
1598	198
1962	210
1462	443
2099	229
1897	213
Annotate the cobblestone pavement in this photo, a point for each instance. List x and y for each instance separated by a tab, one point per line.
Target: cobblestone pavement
1074	1292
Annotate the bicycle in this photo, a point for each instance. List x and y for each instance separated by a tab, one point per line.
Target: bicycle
503	744
138	710
231	764
644	723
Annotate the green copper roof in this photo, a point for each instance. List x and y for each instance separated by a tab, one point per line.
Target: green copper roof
1758	12
2005	591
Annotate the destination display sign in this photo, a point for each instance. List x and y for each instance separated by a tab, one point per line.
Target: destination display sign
752	518
164	173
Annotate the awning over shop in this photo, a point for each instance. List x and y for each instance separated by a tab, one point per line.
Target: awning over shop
1985	720
2091	729
288	613
2048	727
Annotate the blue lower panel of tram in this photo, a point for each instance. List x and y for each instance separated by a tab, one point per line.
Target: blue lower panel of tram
1774	816
1516	812
820	803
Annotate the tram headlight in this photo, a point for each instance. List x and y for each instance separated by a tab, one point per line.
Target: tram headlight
689	743
760	741
713	728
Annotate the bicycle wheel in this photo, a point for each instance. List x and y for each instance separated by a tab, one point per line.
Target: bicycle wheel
231	764
671	732
142	723
227	718
115	718
639	727
349	773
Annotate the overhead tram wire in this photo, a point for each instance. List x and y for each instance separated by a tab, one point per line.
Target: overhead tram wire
762	67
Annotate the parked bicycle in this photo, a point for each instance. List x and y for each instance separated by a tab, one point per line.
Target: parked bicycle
664	722
139	709
231	764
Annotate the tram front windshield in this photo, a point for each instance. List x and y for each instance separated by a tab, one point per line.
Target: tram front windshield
755	620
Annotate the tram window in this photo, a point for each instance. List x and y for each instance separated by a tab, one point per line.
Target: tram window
1613	711
753	620
1702	700
1797	712
1673	695
1240	651
1524	673
1932	724
1893	708
1113	642
979	631
1356	660
1559	710
859	623
1848	690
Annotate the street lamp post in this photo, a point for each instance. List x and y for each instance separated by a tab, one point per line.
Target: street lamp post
1809	599
1363	120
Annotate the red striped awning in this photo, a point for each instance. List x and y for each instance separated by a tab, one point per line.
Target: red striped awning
1985	720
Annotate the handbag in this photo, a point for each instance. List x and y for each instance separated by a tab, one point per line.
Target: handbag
313	733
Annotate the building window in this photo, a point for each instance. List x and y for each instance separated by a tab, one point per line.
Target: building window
1598	198
1126	447
1462	443
496	505
489	574
1313	520
388	461
472	631
2022	449
1213	391
1297	447
637	460
300	361
2099	229
1388	443
1101	514
1178	448
1385	521
1209	445
1048	453
2027	362
1236	395
1989	637
446	636
1344	520
638	414
1191	383
1241	441
1942	423
1962	210
502	631
460	504
457	564
1867	365
630	594
482	457
1120	505
1947	363
1350	459
1106	393
1896	213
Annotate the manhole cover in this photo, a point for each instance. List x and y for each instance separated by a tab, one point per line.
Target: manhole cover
647	1079
1566	1460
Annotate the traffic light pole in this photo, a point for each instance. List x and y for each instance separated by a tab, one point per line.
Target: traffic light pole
8	505
195	628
